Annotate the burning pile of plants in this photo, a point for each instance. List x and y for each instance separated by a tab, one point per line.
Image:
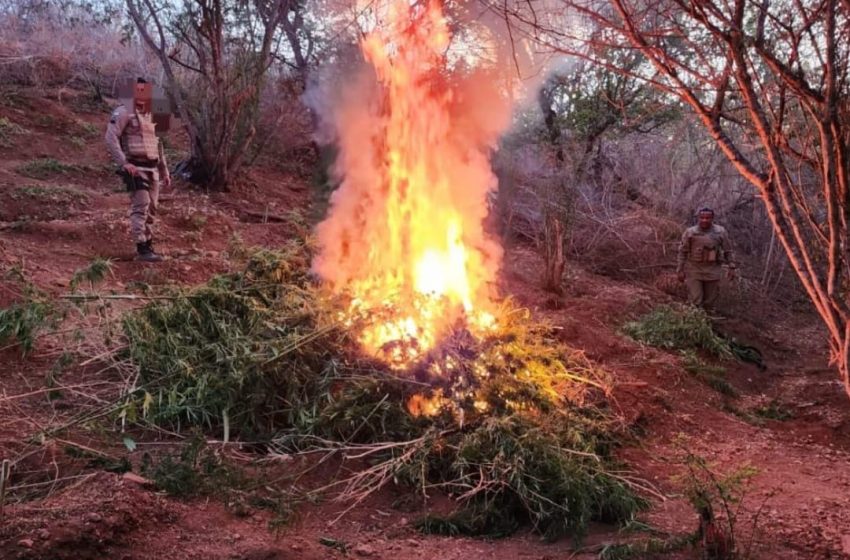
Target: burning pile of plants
514	426
403	362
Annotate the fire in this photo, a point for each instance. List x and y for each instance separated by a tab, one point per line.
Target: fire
404	237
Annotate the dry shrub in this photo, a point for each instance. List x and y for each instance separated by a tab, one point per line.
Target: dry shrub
635	243
633	197
284	127
66	44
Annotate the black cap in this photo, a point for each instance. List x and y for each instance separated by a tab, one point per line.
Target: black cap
705	210
141	81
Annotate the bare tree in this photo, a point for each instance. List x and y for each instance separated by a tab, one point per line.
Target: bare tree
216	56
768	80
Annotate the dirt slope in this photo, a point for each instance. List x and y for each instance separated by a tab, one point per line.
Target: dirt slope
56	216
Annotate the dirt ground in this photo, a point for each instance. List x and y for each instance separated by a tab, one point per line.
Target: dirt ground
55	219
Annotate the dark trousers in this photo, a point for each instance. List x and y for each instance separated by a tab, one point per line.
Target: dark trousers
703	293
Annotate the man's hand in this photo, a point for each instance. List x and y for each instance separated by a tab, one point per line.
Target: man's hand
680	276
166	182
730	274
131	169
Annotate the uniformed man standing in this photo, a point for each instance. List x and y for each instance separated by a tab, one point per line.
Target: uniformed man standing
135	149
704	252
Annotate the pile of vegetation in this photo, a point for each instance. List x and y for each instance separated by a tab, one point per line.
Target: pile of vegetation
689	330
518	432
244	350
680	327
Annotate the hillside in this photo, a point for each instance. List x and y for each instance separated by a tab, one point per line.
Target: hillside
61	206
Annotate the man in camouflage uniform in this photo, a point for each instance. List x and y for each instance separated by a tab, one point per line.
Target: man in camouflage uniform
704	251
135	149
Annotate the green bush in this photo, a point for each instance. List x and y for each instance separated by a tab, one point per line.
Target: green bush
678	328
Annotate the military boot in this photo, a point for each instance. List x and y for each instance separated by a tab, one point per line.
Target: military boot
146	253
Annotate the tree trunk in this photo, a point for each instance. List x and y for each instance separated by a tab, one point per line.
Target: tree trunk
554	228
554	253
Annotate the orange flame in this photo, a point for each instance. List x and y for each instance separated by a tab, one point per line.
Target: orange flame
404	236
